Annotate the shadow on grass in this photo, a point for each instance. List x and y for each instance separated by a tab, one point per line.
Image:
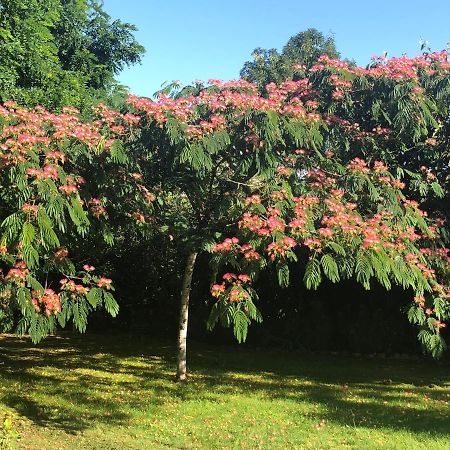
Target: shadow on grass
71	383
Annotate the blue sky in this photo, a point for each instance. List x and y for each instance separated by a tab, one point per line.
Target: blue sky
200	39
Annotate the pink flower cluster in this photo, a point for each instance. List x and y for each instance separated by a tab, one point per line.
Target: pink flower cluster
213	108
399	68
18	273
278	249
30	209
71	286
97	208
105	283
227	245
235	291
48	301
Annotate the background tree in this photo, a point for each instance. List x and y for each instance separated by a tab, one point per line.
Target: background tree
307	46
303	49
62	52
91	43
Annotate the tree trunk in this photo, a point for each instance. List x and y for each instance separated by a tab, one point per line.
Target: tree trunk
184	313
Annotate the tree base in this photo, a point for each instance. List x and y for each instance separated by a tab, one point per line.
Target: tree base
183	377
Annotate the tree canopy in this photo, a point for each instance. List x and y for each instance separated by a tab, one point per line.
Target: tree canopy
306	165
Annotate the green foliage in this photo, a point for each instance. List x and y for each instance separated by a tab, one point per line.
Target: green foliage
283	274
53	214
313	275
307	46
238	315
62	52
330	268
432	341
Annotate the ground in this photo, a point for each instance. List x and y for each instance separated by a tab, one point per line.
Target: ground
118	392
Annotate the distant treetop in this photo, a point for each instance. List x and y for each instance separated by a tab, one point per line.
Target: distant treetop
303	48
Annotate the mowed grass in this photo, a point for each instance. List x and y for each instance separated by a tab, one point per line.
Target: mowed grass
118	392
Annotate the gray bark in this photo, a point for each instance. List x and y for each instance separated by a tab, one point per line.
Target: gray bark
184	315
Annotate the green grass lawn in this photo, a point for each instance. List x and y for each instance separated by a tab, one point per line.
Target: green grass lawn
118	393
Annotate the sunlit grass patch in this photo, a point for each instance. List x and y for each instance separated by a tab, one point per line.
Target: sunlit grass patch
119	393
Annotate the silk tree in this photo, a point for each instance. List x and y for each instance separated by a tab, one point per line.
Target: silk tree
205	151
202	154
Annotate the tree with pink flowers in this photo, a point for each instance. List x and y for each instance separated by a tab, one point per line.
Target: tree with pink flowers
343	168
313	169
54	194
